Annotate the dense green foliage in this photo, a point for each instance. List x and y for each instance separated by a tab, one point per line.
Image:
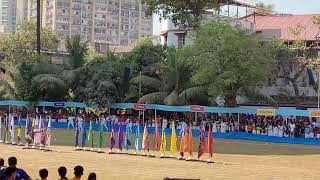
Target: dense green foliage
184	13
223	61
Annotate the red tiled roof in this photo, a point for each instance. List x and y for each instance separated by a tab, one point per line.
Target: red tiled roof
279	26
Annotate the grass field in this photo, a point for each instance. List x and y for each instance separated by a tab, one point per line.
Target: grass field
234	159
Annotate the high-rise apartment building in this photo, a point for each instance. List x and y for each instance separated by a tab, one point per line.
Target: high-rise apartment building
11	13
103	23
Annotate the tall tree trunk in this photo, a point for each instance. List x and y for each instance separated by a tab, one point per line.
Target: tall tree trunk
230	98
38	26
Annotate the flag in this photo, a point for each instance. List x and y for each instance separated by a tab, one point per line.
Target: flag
0	128
43	130
12	128
137	141
112	141
156	136
120	137
202	142
100	141
145	142
190	142
76	135
127	141
49	133
90	135
6	129
163	148
173	144
84	134
19	130
183	142
28	132
210	141
311	78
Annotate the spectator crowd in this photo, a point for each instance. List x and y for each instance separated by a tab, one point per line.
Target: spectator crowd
12	172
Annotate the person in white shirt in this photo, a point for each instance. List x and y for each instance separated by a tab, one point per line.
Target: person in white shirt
292	126
103	120
183	125
165	122
70	122
270	130
129	123
80	123
114	119
280	130
223	127
214	127
274	130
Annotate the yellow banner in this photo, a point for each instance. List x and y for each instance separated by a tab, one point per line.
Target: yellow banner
314	113
266	112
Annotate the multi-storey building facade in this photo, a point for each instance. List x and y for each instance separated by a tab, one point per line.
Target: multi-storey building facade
103	23
11	13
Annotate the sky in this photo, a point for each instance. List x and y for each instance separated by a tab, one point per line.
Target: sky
281	6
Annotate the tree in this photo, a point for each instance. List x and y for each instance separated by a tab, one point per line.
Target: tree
174	86
18	48
230	61
184	13
77	54
145	53
264	9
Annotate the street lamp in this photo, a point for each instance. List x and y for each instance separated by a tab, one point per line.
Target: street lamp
38	26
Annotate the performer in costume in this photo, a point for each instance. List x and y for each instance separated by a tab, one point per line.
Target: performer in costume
83	134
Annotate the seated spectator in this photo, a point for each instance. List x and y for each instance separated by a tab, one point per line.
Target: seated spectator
10	173
43	173
20	173
78	172
92	176
62	173
2	168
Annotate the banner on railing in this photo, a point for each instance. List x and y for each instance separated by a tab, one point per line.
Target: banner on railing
139	107
266	112
194	108
314	112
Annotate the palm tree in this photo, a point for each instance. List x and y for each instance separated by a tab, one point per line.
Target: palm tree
48	79
175	86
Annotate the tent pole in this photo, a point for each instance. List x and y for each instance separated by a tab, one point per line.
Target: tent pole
238	122
142	116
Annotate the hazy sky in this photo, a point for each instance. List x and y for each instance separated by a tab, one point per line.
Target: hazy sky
281	6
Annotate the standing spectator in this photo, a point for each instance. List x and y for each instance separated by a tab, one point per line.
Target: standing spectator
292	127
78	172
92	176
62	173
20	173
70	121
43	173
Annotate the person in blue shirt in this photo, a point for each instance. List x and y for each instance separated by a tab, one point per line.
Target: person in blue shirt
20	173
2	168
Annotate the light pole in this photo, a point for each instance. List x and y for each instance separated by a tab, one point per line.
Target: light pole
38	26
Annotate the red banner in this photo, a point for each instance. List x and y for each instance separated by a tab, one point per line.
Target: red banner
195	108
140	107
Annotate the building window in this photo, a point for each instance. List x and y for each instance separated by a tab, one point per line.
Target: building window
181	39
